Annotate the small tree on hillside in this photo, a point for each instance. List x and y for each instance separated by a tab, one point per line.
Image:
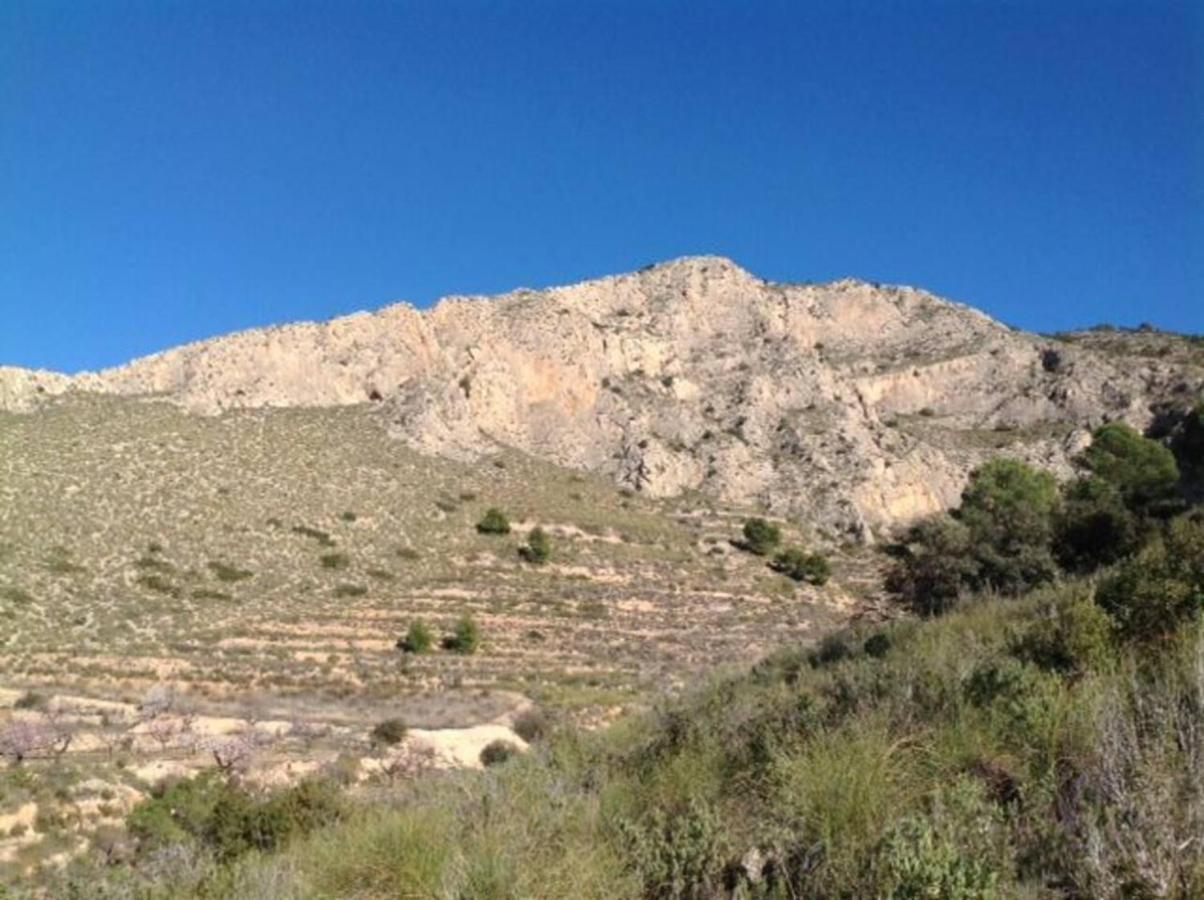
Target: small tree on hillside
465	639
1008	507
1142	470
796	563
418	639
538	548
935	565
761	537
494	522
1162	586
1094	527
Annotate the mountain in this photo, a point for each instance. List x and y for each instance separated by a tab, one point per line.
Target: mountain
851	405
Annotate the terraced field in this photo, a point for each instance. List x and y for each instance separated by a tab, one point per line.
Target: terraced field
275	557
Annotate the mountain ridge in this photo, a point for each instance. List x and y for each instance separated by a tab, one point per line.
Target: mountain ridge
851	404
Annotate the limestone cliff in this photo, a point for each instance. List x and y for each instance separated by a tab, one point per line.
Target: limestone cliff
850	404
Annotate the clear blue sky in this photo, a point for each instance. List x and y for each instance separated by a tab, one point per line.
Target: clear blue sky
172	170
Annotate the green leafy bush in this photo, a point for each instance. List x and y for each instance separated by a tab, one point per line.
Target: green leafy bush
797	564
935	566
1162	586
1094	527
538	548
1008	507
1000	538
334	560
678	857
877	645
919	865
761	537
465	639
1072	636
494	522
1141	469
418	639
223	571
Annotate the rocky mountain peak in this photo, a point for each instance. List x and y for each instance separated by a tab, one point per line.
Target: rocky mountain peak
850	404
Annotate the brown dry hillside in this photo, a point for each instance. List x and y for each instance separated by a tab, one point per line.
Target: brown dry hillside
286	551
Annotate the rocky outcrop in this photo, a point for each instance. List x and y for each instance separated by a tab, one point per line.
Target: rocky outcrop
850	404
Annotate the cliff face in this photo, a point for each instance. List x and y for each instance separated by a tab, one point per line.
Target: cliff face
852	405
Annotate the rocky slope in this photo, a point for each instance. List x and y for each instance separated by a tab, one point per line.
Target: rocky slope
852	405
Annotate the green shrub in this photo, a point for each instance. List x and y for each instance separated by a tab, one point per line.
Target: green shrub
1094	527
920	866
877	645
999	539
831	649
761	537
494	522
1072	636
1142	470
678	856
418	639
1008	507
1154	592
538	548
497	752
465	639
225	572
935	565
797	564
349	590
334	560
388	733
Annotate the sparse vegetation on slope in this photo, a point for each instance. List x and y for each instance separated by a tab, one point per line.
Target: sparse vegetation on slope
1040	745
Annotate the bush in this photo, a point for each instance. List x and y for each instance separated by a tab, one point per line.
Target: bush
532	725
1072	636
465	639
225	572
831	649
1094	527
388	733
494	522
877	645
1154	592
497	752
1142	470
761	537
538	548
1008	507
418	639
935	565
918	866
795	563
334	560
677	856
